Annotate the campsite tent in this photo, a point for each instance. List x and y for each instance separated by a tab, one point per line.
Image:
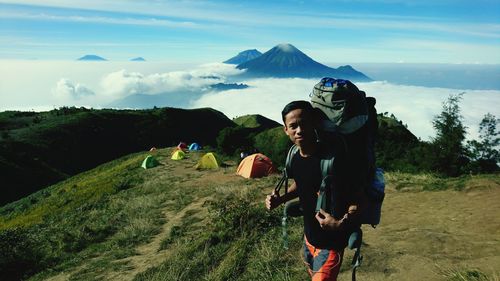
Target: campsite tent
208	161
194	146
255	166
182	146
178	155
149	162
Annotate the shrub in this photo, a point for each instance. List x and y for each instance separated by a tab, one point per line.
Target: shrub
274	143
22	253
232	139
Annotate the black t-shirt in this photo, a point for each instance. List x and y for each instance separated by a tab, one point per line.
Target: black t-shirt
307	174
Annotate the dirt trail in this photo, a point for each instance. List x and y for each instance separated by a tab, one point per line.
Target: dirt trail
148	254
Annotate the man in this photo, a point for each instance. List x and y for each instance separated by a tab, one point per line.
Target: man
325	232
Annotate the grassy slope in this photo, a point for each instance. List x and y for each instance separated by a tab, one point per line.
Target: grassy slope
119	222
39	149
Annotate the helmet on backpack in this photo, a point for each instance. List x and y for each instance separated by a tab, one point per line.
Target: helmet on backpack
343	104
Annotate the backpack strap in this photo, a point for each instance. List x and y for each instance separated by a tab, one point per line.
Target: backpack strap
288	163
326	166
287	172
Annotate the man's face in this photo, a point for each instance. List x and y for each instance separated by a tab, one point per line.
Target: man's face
299	127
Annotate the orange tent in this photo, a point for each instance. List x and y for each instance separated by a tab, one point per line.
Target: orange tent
255	166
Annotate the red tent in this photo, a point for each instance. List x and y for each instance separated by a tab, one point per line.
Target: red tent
182	146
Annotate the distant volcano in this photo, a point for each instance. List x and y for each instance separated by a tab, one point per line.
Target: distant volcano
92	58
285	60
244	57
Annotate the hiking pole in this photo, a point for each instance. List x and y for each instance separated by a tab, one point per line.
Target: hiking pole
284	229
355	241
356	262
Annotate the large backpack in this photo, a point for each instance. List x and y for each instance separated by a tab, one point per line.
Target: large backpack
346	111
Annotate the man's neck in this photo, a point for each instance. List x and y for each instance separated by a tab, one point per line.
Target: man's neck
308	149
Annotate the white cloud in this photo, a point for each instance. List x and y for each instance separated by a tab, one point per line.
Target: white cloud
103	20
264	96
415	106
67	90
124	83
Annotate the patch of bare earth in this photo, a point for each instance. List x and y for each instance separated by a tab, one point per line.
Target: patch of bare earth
423	234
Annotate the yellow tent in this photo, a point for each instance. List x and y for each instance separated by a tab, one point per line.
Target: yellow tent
178	155
208	161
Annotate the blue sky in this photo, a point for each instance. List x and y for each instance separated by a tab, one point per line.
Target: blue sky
424	31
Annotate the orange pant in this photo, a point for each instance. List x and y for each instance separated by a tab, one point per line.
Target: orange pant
322	264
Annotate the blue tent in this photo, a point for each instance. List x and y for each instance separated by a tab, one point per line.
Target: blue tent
194	146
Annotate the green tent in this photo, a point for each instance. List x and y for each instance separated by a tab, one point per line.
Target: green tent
149	162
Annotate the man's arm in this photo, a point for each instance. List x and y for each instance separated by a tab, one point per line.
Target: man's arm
274	200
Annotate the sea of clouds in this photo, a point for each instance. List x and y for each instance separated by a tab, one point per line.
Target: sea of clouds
45	85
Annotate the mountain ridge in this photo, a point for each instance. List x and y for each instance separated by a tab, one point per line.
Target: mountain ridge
244	56
285	61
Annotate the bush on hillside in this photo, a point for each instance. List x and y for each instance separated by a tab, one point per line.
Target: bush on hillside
20	255
274	143
233	139
233	216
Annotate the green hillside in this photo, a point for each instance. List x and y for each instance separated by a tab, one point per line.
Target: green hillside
256	121
173	222
39	149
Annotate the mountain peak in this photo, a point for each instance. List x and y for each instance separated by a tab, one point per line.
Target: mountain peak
287	48
92	58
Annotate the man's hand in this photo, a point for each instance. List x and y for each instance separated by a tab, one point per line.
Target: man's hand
273	201
327	221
